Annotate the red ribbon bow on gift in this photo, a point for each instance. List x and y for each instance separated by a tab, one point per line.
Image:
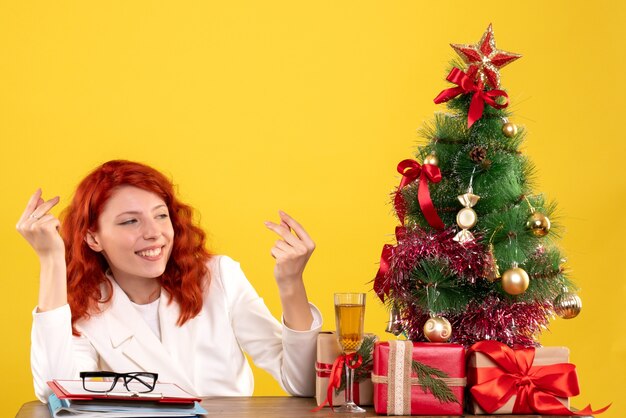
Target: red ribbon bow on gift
537	388
411	170
352	361
480	97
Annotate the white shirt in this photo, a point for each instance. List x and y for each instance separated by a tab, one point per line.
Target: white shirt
204	356
150	313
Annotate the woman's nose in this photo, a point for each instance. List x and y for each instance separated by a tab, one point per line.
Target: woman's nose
151	230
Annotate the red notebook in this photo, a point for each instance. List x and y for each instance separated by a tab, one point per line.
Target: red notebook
162	393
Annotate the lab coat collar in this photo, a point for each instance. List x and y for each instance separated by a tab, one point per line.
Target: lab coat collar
129	333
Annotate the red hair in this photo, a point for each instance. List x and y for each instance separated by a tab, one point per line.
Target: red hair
186	272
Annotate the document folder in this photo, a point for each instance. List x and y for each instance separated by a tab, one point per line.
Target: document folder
162	393
62	408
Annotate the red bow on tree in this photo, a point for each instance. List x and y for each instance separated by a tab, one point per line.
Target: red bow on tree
411	170
466	85
381	281
536	388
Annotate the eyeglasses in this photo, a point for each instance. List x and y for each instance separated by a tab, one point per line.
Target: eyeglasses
139	382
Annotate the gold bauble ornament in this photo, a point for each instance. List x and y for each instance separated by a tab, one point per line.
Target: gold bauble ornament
509	129
431	159
437	329
567	305
539	224
515	280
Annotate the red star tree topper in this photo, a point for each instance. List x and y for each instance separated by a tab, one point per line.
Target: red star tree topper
484	59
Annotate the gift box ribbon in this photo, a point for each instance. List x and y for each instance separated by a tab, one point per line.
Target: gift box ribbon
536	388
414	381
333	371
323	369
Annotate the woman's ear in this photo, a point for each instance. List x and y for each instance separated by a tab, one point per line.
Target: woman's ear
92	240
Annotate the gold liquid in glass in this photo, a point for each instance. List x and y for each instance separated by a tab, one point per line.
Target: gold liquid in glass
350	326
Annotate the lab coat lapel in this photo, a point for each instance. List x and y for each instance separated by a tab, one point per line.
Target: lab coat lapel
133	337
179	341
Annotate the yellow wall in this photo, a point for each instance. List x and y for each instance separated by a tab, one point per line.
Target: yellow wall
308	106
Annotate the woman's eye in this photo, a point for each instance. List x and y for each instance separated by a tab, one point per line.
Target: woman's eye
163	216
129	222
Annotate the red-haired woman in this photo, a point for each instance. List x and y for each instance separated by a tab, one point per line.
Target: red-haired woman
127	285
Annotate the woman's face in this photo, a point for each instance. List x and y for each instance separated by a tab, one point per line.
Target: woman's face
135	234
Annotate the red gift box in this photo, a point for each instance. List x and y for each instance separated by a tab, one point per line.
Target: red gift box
397	390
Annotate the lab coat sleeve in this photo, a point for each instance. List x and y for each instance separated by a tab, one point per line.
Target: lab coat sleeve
288	355
55	353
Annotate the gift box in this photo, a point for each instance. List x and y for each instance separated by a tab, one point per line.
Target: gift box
400	390
328	350
521	381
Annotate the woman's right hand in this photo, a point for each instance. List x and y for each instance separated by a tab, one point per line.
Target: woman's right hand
40	228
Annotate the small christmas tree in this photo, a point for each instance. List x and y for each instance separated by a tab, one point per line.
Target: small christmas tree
475	256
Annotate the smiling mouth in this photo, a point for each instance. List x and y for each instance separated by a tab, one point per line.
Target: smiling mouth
154	252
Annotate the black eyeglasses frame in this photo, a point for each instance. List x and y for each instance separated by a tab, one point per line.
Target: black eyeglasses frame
125	377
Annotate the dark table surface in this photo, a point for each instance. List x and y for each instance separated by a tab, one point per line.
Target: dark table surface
257	407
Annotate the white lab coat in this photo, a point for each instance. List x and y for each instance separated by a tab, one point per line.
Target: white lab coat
205	356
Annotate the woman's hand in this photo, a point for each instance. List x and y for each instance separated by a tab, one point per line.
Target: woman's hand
292	252
40	228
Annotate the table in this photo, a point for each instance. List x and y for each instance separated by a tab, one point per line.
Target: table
257	407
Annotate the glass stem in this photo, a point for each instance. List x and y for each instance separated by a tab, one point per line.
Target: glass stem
349	381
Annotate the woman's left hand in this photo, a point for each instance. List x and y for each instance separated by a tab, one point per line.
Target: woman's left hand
292	251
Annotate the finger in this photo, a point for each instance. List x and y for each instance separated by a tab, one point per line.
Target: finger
282	245
278	253
50	222
297	228
30	206
43	208
41	223
44	218
36	225
284	232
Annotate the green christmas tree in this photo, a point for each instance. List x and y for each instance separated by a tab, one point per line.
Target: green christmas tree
475	253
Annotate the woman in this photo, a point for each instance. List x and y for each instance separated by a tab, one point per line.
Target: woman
126	285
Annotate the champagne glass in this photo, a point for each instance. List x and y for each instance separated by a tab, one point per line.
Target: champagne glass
349	316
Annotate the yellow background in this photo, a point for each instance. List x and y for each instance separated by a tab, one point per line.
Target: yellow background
308	107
